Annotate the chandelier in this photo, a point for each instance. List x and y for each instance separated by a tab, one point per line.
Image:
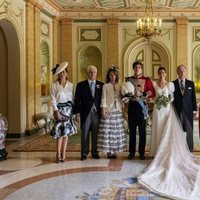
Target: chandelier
149	26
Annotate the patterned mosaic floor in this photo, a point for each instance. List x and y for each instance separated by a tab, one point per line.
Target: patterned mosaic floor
124	189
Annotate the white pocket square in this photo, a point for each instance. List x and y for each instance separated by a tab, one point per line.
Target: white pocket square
189	88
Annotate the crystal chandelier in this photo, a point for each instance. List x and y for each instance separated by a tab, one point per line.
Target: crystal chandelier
149	26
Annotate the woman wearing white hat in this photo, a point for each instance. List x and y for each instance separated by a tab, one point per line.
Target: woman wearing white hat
62	102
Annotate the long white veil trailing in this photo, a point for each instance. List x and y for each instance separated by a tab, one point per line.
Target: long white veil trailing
175	171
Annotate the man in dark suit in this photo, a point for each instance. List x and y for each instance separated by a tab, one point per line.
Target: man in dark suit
87	109
185	103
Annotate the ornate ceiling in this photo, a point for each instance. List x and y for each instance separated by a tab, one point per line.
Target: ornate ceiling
124	8
120	4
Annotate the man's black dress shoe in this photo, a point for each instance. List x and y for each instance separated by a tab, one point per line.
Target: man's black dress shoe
83	158
96	157
131	156
142	157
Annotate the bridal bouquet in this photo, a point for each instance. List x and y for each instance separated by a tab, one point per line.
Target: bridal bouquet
161	101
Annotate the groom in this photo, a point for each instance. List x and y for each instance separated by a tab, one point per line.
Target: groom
137	109
185	103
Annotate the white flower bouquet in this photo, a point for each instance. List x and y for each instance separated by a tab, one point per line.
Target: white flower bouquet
161	101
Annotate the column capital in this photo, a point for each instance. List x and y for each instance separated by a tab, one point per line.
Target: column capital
182	20
38	7
113	21
67	21
56	19
30	2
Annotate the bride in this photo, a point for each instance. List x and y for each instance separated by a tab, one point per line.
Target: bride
174	171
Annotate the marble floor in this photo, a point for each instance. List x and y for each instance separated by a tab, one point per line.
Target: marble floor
36	176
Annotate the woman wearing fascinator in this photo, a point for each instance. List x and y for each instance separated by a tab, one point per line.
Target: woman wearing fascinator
111	137
62	103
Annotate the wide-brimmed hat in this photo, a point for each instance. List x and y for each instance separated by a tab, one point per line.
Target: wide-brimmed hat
59	68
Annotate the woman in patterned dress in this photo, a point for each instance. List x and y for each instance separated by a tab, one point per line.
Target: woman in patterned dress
62	103
111	138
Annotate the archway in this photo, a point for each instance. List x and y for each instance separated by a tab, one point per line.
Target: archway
10	101
152	54
89	55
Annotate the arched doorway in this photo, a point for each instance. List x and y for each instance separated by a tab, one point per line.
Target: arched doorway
152	54
89	55
10	83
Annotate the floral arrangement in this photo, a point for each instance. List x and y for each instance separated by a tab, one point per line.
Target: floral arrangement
161	101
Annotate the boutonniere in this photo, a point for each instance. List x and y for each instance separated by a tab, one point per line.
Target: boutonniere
98	86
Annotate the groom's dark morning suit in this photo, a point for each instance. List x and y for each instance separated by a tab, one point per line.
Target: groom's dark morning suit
88	106
185	104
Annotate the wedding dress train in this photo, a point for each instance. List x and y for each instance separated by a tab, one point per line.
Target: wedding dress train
175	171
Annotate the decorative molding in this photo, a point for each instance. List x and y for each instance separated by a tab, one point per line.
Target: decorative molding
68	21
10	10
167	32
90	34
56	19
196	33
45	28
127	33
38	7
33	2
182	20
113	21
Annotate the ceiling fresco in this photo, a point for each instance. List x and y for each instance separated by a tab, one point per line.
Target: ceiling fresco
123	9
124	4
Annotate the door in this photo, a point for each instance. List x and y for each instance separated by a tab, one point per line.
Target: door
152	56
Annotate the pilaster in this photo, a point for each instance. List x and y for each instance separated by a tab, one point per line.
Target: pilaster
113	41
182	38
37	64
29	63
66	44
33	24
55	50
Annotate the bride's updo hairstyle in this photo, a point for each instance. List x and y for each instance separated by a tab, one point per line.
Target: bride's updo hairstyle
161	68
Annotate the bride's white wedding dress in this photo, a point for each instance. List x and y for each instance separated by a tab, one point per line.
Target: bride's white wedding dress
159	117
174	171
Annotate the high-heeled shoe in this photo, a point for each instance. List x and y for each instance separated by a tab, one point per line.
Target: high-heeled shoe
62	158
58	158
